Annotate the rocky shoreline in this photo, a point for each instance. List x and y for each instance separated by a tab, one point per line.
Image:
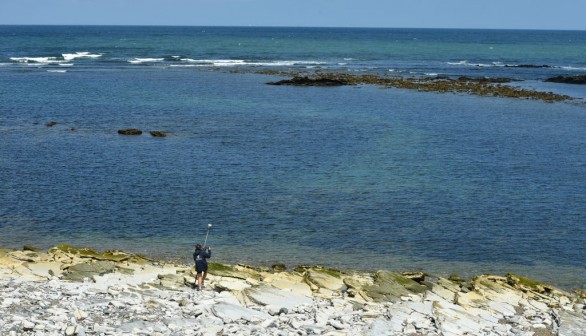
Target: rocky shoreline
79	291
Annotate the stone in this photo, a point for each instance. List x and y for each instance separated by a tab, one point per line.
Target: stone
233	271
30	248
271	296
231	284
130	131
70	331
78	272
571	323
80	315
28	325
324	278
278	267
390	286
379	327
158	134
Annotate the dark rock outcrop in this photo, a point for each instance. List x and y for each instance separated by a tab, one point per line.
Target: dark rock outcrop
530	66
306	81
579	79
51	123
158	134
130	131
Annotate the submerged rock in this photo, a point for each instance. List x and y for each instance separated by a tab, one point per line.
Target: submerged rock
578	79
158	134
130	131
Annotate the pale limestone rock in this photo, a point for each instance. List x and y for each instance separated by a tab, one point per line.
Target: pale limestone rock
27	256
390	287
45	269
230	312
470	299
231	284
571	323
265	295
27	325
540	306
379	327
290	281
80	315
455	320
70	331
323	278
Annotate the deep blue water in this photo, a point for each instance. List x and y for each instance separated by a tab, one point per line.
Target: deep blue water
352	177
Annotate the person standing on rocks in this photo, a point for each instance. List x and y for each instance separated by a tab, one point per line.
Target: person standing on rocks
200	257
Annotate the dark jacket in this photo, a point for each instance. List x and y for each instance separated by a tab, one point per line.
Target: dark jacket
200	256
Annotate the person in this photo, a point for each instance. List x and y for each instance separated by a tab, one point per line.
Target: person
200	257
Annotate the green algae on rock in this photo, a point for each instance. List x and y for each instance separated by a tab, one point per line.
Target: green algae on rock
86	252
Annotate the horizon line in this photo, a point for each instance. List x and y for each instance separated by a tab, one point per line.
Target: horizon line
268	26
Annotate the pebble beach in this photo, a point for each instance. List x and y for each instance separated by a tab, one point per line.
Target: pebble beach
78	291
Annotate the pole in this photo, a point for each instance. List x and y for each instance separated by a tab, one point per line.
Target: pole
206	240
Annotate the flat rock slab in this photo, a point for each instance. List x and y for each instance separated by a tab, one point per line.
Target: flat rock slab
572	324
87	270
229	312
271	296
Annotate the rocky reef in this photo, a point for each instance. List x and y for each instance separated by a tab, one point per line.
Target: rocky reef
306	81
481	86
579	79
79	291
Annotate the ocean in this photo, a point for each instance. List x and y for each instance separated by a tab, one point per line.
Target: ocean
352	177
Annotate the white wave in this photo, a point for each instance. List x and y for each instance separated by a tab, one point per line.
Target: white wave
571	68
230	62
66	64
458	63
145	60
431	74
59	71
44	60
466	63
184	65
80	54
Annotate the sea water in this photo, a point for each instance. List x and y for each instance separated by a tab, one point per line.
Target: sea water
356	177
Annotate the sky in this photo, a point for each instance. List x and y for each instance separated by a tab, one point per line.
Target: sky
492	14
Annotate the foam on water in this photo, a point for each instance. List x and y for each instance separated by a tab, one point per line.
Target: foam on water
37	60
80	54
571	68
240	62
146	60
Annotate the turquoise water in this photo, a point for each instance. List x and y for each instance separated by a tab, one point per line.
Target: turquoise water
351	177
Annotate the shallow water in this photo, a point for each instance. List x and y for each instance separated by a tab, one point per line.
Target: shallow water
352	177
